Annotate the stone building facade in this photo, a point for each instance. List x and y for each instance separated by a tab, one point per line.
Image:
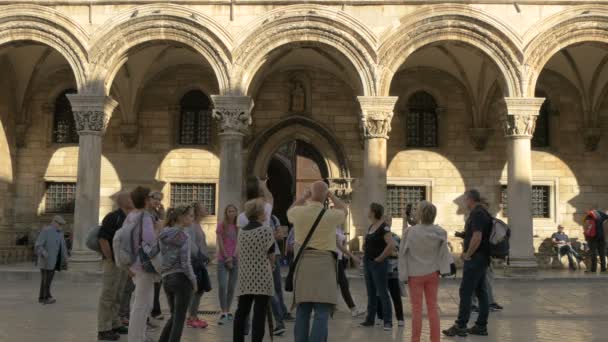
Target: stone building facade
391	101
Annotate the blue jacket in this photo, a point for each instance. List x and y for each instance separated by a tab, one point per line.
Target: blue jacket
49	245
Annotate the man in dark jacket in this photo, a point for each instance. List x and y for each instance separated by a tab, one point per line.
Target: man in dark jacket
114	279
597	242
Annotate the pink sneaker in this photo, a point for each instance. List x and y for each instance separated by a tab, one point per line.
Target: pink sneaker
200	323
190	323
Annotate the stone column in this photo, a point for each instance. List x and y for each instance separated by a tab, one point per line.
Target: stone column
234	118
376	116
91	113
519	125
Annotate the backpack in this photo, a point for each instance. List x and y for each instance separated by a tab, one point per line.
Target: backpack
596	228
499	239
125	253
92	241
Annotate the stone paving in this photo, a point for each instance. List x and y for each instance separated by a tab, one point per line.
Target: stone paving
535	310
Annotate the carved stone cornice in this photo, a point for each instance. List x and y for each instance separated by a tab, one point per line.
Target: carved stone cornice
232	112
129	134
522	112
376	115
91	112
591	138
480	137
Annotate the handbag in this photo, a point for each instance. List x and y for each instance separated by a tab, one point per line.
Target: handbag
292	267
203	280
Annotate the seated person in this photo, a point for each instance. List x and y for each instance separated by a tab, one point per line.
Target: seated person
562	245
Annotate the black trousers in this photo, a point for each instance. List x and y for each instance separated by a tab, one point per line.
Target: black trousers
178	290
598	247
156	305
343	282
46	278
260	307
395	291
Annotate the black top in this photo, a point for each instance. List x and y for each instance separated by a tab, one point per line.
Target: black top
374	242
479	221
254	225
110	224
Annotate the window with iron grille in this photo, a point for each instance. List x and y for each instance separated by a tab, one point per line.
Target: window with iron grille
421	121
195	119
399	196
541	133
188	193
60	197
64	126
541	201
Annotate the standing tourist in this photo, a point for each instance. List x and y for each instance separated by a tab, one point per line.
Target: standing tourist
158	213
179	280
379	245
255	285
344	255
315	273
227	263
423	256
144	281
199	258
394	286
52	255
114	279
277	303
594	235
476	258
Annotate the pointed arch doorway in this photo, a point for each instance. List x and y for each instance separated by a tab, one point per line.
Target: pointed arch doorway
292	168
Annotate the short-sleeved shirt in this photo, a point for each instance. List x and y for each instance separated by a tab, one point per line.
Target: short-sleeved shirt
479	220
374	242
324	237
228	233
109	225
560	237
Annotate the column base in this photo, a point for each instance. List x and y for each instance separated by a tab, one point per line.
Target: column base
85	261
522	268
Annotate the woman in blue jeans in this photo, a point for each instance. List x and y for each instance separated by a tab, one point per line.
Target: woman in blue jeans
227	267
379	245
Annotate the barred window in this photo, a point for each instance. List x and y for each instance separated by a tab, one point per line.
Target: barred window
541	201
541	133
60	197
64	126
399	196
421	120
188	193
195	122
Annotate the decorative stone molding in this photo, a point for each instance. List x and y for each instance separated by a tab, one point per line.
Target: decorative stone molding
376	115
342	188
129	134
591	138
91	112
480	137
232	112
522	113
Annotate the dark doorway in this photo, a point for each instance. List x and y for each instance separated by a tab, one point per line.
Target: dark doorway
292	168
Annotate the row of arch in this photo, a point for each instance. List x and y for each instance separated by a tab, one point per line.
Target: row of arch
95	59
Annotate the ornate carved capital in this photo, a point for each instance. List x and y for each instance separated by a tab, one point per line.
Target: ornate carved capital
376	115
520	121
232	112
129	134
341	187
591	138
480	137
91	112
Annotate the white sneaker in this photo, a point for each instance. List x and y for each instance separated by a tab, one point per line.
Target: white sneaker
356	312
400	323
223	319
379	322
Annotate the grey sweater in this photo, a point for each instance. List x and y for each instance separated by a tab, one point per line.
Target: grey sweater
175	251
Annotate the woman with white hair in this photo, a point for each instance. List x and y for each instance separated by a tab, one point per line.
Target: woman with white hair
52	255
423	257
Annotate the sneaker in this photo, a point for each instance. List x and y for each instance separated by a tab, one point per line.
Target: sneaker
455	331
158	317
121	331
379	322
401	323
190	323
367	324
495	307
474	308
388	327
201	324
356	312
108	336
279	331
50	301
152	326
230	317
288	318
477	330
223	319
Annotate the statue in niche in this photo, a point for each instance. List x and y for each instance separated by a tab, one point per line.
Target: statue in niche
298	97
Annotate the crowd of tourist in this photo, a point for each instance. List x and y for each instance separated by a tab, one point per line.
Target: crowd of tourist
169	248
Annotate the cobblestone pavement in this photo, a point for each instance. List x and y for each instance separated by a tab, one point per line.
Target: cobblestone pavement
573	311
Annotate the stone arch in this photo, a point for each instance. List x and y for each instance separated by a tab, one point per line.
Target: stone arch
301	24
452	23
47	26
576	25
302	128
149	23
